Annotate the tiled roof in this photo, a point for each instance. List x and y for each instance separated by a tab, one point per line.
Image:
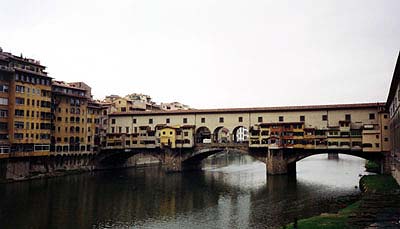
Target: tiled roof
254	109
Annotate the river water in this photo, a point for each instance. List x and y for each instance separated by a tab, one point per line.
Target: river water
232	191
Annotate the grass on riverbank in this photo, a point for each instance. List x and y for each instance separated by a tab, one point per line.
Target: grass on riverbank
370	183
372	166
378	183
329	221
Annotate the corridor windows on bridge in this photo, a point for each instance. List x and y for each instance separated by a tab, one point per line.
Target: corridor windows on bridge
302	118
240	119
324	117
348	117
184	120
150	121
371	116
260	119
203	120
281	119
221	119
167	120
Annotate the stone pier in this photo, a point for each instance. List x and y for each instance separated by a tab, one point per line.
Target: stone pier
278	163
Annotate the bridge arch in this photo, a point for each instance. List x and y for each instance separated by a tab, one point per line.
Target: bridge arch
194	160
221	134
202	133
240	134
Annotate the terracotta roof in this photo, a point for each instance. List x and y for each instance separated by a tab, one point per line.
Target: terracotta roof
255	109
65	85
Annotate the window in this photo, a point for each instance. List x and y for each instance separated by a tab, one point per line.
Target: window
385	116
3	113
386	139
18	136
134	121
19	113
19	89
385	127
19	101
3	88
127	129
221	119
3	126
113	121
119	129
372	116
324	117
150	121
167	120
260	119
348	117
112	129
184	120
203	120
19	125
376	144
240	119
302	118
377	136
280	118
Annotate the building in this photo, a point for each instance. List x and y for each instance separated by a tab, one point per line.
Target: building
392	105
362	127
25	107
70	109
174	106
77	126
93	127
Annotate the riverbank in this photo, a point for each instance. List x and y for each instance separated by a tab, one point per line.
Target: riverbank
378	207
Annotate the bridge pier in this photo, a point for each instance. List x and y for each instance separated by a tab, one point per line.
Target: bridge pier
278	163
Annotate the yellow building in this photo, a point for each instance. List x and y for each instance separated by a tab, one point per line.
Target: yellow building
25	106
168	137
93	126
70	112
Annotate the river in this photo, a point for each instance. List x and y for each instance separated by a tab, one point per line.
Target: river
232	191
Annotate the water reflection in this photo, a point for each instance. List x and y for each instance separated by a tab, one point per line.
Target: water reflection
232	192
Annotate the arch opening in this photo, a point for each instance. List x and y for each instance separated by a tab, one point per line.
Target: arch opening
203	135
240	134
221	135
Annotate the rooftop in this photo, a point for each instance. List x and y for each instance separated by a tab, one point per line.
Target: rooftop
255	109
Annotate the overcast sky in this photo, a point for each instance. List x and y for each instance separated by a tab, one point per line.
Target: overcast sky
216	53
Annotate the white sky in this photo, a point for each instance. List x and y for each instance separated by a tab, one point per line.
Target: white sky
213	53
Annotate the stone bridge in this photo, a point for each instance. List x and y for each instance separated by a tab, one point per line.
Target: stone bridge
278	161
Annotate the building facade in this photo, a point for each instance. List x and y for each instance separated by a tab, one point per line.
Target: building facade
392	105
25	107
347	127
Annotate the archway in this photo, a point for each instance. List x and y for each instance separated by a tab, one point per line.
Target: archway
203	133
240	134
221	135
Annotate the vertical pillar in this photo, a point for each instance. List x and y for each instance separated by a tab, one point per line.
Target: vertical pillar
333	156
172	160
277	163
